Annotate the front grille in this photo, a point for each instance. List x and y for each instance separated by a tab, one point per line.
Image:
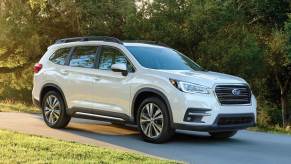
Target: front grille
233	94
235	120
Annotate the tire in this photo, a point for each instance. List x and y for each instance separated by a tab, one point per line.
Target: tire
54	113
222	135
159	121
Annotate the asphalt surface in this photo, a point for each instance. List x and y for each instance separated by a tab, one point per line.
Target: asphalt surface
245	148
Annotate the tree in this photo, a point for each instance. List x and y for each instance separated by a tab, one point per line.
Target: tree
280	64
28	27
269	13
225	42
106	17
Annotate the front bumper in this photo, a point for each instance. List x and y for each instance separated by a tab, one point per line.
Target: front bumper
205	111
230	125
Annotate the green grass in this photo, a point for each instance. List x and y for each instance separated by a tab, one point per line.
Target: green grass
22	148
271	129
8	106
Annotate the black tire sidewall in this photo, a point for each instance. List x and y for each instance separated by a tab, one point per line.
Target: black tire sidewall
167	129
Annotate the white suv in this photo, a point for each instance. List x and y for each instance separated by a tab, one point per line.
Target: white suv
143	83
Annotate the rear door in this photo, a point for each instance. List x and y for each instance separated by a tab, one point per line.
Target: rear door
79	77
56	69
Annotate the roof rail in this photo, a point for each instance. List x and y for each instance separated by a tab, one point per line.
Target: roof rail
89	38
148	42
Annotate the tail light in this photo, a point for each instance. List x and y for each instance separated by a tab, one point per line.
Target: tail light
37	67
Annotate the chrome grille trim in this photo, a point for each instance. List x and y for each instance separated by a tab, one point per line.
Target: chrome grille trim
225	96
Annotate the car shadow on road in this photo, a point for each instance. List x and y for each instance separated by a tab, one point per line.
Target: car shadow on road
114	133
128	137
179	137
190	147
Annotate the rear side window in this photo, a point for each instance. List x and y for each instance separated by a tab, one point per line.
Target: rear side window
59	57
84	56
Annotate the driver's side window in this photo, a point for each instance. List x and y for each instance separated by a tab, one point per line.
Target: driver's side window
110	56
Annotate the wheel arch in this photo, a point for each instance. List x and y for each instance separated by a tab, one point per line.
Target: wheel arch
52	87
143	93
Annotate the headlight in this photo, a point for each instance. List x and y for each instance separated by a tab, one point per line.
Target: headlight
189	87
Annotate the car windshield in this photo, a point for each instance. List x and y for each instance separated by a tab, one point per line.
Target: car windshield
162	58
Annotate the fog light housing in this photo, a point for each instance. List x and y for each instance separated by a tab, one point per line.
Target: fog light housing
196	115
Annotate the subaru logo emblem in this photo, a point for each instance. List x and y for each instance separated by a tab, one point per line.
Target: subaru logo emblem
236	92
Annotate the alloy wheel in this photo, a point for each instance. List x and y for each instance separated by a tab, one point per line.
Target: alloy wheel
52	109
151	120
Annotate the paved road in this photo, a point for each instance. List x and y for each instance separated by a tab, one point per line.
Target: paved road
246	147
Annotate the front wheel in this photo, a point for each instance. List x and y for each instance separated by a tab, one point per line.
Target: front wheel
154	121
222	135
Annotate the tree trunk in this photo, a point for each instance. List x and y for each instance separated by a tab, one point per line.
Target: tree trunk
284	85
284	106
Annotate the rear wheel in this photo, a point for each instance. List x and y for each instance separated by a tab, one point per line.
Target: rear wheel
222	135
54	110
154	121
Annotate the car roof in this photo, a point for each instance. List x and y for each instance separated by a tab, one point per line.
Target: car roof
105	40
84	43
136	44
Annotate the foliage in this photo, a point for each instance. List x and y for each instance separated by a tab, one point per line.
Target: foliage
277	129
268	115
237	50
21	148
279	64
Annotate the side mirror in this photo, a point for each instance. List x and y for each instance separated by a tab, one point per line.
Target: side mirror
120	68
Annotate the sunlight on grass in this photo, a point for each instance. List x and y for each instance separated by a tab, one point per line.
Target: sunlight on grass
7	106
21	148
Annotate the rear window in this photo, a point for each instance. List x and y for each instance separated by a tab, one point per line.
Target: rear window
60	56
84	56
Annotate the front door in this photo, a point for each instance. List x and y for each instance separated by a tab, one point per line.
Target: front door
112	89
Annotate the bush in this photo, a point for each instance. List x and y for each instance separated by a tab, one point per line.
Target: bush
12	94
268	114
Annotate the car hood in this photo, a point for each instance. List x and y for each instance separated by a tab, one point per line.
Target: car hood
205	78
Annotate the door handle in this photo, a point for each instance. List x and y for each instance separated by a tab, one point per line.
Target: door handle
64	72
96	78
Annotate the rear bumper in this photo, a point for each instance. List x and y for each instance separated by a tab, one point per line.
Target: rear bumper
217	126
36	102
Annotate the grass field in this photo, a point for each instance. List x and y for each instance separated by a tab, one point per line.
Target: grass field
21	148
8	106
273	129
